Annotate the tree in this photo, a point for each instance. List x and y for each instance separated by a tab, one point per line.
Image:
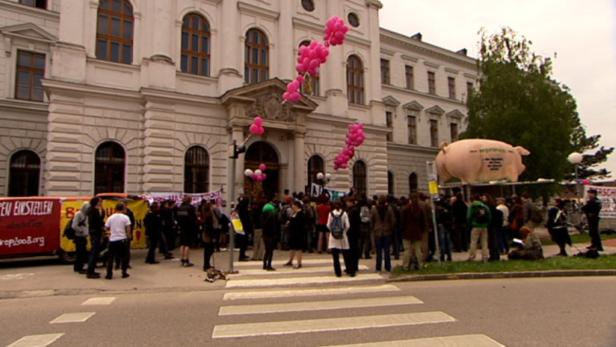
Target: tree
599	154
519	102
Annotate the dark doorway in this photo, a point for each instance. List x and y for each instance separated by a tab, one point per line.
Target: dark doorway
257	153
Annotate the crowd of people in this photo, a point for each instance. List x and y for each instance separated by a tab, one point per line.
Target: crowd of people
355	227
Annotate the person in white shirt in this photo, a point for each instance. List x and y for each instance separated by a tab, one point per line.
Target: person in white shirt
118	228
338	226
502	237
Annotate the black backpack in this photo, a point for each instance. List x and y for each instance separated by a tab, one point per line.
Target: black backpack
69	232
481	215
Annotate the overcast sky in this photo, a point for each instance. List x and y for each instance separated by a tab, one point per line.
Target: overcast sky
581	32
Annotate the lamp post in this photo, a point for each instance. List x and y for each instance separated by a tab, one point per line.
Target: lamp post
576	159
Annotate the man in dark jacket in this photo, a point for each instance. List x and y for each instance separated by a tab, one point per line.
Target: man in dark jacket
153	230
413	224
96	226
243	210
353	235
186	215
382	219
459	233
592	210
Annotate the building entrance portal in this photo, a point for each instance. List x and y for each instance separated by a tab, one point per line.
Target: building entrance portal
257	153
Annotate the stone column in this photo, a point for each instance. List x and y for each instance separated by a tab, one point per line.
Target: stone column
231	52
69	54
300	164
374	85
335	70
286	42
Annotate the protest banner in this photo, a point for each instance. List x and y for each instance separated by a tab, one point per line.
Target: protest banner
607	196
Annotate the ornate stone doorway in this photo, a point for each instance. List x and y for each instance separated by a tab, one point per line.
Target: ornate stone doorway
262	152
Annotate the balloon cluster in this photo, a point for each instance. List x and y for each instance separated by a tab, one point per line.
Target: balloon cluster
256	128
355	138
311	56
335	31
258	175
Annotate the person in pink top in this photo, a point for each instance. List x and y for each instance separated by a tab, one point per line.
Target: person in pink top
323	210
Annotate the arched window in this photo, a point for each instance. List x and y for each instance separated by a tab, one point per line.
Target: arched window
195	45
256	67
315	165
413	183
24	173
109	167
196	170
390	183
359	178
355	80
311	85
114	31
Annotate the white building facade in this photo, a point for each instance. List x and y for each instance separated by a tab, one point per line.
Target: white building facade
141	96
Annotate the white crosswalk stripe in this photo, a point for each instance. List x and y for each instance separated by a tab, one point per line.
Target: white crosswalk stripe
102	301
328	324
77	317
258	264
273	282
444	341
36	340
290	271
270	294
318	305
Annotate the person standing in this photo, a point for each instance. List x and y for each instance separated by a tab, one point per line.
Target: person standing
153	222
186	215
258	248
95	230
501	234
365	235
118	230
516	218
592	210
460	228
269	223
297	234
80	225
496	222
338	242
323	210
207	215
243	211
382	220
169	225
557	226
353	234
412	221
310	219
479	219
429	243
444	224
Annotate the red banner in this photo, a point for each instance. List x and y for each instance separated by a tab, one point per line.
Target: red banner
29	226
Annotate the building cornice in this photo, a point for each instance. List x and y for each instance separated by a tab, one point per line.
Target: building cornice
427	95
24	105
29	11
413	148
169	95
247	8
74	88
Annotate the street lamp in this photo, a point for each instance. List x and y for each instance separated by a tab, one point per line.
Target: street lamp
576	159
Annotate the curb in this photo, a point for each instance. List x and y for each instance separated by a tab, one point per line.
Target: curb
498	275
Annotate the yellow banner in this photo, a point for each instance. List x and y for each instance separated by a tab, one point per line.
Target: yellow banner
433	187
139	208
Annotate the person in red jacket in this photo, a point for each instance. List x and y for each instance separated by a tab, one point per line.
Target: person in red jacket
323	210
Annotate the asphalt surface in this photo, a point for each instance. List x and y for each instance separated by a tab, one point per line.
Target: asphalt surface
512	312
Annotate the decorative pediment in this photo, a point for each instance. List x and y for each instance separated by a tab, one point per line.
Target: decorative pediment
413	106
391	101
455	114
435	110
265	99
28	31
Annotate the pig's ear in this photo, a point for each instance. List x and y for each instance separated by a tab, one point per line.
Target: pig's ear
444	146
523	151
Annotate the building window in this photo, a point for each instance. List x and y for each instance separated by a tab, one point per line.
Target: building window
114	31
195	45
390	183
311	84
24	174
469	90
355	80
431	82
35	3
196	170
433	133
353	19
256	68
451	83
389	121
385	74
359	178
315	165
413	184
410	78
110	162
412	128
308	5
453	128
30	72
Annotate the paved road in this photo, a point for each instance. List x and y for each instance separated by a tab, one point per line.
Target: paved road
313	308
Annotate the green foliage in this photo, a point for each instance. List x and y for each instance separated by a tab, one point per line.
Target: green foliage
519	102
598	155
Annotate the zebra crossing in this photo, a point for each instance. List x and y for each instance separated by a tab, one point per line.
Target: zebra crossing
254	295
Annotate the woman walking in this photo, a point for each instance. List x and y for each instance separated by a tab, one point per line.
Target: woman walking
269	224
338	226
297	234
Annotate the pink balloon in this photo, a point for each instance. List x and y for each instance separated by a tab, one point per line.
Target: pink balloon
253	129
262	167
264	177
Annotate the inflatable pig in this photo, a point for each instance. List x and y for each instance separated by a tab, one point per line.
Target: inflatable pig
480	161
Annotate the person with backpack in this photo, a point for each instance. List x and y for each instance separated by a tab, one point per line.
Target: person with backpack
366	244
323	210
382	219
79	225
338	226
479	219
96	225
